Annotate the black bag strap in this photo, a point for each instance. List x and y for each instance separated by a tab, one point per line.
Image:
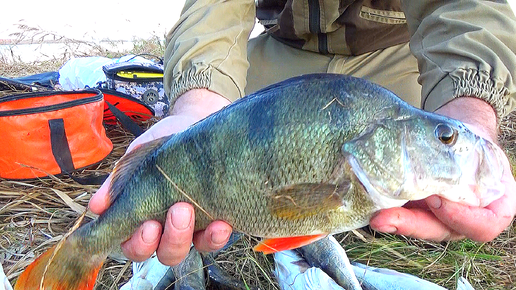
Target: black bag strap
126	122
63	156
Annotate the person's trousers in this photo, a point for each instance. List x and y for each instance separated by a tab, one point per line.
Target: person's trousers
394	68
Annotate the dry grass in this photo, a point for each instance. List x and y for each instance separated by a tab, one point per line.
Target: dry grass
34	215
486	265
13	66
253	269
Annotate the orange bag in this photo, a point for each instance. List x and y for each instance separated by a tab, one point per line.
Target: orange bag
128	105
51	133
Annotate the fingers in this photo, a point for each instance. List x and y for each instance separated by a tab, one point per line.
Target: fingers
447	220
174	244
213	238
414	222
177	236
481	224
143	242
478	224
440	219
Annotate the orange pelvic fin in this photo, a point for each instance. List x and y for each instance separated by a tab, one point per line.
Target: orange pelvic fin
63	269
270	246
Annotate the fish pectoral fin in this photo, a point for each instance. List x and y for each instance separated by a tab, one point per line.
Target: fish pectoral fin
307	199
270	246
126	166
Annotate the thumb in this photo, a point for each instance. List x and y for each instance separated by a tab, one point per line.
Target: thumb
100	201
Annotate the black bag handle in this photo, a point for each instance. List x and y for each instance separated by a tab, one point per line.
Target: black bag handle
126	122
63	156
61	150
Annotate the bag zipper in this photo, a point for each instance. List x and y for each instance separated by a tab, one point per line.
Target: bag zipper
55	107
314	23
134	75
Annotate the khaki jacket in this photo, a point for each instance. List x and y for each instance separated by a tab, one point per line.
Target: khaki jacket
463	48
335	27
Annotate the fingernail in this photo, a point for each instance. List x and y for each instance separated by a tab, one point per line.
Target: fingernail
150	233
219	237
434	201
387	229
181	217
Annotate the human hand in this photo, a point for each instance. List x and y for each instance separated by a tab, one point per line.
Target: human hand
439	219
172	243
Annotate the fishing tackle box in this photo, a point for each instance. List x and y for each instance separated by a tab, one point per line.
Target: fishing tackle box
143	81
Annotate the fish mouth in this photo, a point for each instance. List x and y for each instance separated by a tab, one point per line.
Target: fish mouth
482	172
479	183
378	194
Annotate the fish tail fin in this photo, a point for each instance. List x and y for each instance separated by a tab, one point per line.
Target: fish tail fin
64	266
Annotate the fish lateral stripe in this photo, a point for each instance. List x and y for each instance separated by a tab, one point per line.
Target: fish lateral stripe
202	158
270	246
261	124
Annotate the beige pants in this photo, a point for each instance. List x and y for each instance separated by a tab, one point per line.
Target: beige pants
394	68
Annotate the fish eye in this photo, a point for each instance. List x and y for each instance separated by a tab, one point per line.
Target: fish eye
446	134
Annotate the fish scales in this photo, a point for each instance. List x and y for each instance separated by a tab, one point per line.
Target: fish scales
313	155
231	162
300	144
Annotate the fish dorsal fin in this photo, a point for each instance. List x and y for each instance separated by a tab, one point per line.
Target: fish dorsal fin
126	166
269	246
307	199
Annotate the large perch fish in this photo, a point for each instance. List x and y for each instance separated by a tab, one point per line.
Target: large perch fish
292	163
